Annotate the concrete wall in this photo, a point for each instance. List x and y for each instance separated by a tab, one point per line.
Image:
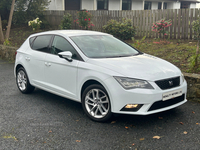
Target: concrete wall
193	81
7	53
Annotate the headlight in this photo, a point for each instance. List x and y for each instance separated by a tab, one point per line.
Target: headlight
129	83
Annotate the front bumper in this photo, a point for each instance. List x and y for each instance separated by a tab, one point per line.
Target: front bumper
151	100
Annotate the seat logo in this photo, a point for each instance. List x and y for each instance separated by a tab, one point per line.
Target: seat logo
170	83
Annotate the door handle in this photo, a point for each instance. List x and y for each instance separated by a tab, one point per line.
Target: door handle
47	64
27	58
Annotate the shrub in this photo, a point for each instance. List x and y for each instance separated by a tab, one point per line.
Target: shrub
45	25
35	24
161	25
195	59
122	30
84	19
66	22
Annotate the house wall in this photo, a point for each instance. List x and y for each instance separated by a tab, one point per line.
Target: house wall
177	5
56	5
170	5
193	5
114	5
87	4
137	5
154	5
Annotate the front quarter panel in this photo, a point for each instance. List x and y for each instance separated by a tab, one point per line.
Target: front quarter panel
87	71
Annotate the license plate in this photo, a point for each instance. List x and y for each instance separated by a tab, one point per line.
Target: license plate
172	94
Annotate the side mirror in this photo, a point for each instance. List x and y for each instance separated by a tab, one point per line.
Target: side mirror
66	55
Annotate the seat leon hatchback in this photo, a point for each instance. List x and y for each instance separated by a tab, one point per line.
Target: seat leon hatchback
103	73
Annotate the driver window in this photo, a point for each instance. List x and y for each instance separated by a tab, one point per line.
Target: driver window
60	45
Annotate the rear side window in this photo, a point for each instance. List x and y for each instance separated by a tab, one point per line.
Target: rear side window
41	43
31	40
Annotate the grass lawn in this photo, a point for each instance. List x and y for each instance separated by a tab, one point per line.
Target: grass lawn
177	52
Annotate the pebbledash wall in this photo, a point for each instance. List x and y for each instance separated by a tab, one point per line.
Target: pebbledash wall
193	80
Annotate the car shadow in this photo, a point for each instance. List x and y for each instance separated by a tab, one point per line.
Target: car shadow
70	106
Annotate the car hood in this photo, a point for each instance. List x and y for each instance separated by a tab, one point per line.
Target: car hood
143	66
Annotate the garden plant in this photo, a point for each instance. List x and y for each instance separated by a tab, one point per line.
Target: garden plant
66	22
84	20
161	27
123	30
35	24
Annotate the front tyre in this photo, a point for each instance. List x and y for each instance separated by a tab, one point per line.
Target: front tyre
22	81
96	103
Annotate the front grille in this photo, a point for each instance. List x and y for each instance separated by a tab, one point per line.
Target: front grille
170	102
168	83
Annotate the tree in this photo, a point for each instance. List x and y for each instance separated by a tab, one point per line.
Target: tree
9	24
10	19
5	6
1	33
27	10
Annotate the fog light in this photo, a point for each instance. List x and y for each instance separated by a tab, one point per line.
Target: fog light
132	107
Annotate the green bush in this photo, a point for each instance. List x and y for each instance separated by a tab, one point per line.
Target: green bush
66	23
45	25
122	30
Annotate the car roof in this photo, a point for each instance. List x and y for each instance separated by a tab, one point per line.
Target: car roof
70	33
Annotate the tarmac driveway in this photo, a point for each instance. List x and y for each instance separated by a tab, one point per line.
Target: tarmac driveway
45	121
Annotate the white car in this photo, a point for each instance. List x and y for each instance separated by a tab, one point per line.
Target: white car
103	73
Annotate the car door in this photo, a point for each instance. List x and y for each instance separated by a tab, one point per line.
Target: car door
60	74
35	58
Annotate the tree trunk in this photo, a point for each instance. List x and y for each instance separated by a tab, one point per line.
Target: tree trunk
1	33
10	19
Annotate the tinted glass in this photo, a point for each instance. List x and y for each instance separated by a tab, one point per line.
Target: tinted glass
41	43
126	4
102	4
147	5
98	46
31	40
60	44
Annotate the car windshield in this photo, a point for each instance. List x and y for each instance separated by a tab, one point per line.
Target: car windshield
103	46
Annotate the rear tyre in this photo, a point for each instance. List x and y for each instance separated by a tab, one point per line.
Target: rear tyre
96	103
22	81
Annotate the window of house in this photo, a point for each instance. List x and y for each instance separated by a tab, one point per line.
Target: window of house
165	6
60	44
147	5
159	5
126	4
102	4
41	43
185	5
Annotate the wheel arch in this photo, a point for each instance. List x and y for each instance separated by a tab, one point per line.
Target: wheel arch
88	83
17	67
